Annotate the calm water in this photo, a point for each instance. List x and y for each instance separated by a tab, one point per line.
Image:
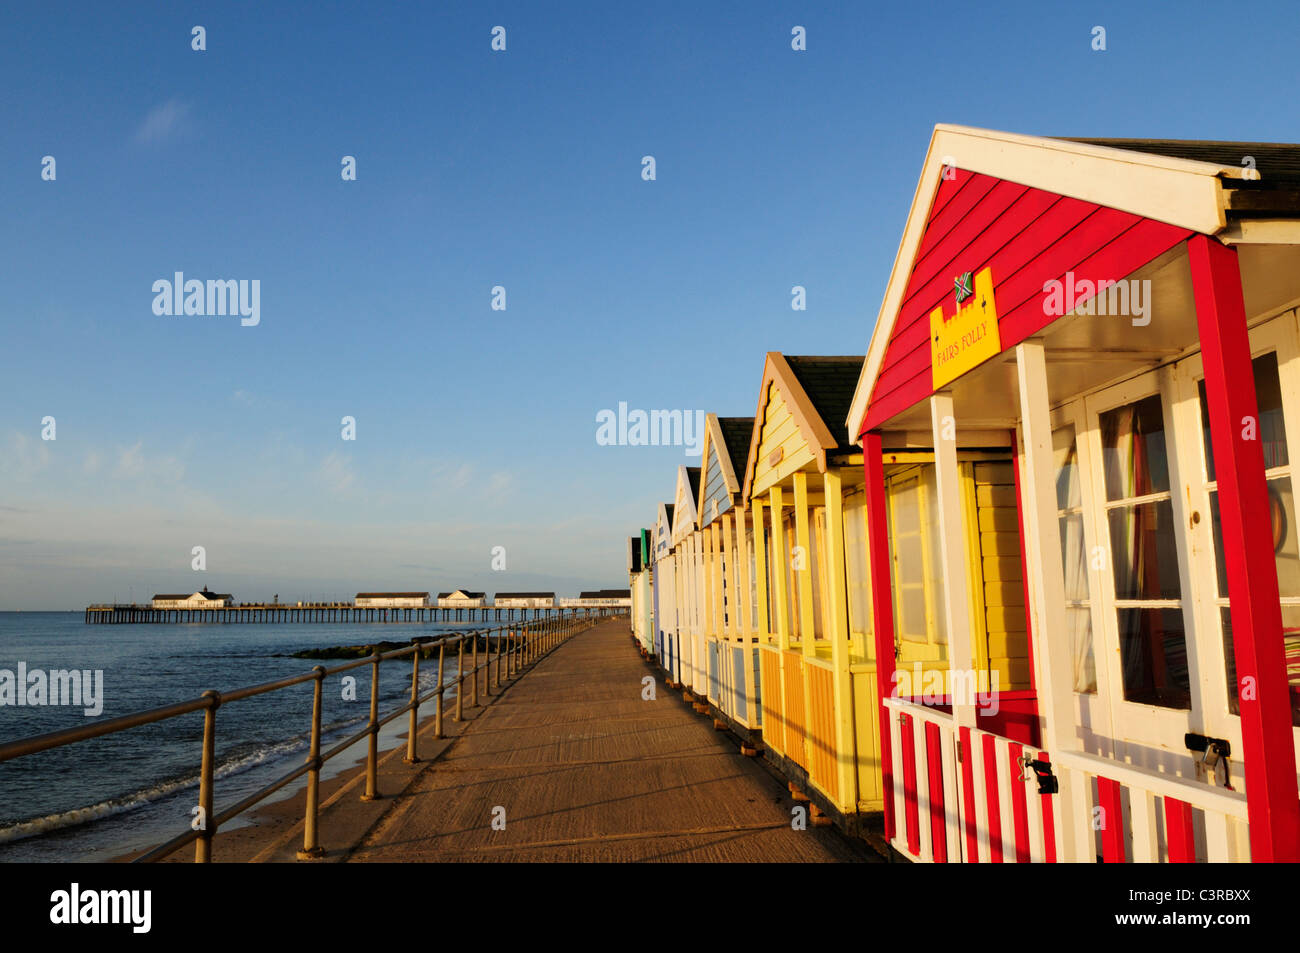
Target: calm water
100	798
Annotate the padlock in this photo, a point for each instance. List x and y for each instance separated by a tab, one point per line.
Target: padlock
1211	757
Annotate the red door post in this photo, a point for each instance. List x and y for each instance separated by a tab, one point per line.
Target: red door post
1262	687
882	609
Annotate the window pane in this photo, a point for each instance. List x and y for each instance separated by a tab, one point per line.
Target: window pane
1153	656
1133	449
815	566
1078	619
1065	455
916	569
857	570
1291	641
1078	622
1144	552
1272	422
934	567
1286	546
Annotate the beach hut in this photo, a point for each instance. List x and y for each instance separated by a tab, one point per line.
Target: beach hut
665	595
1112	321
802	485
392	600
646	609
203	599
462	599
689	561
524	600
638	574
731	654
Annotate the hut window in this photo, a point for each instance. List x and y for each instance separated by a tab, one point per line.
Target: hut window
817	566
914	559
754	624
779	562
1144	555
1078	604
1281	501
857	576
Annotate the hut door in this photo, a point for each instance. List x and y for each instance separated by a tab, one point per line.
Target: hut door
919	633
1081	560
1275	350
1145	619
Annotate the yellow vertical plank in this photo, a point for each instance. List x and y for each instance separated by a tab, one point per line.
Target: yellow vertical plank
975	583
760	571
730	624
803	557
708	553
715	544
742	627
779	600
781	619
836	599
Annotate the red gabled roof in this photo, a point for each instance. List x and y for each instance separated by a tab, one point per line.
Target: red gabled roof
1027	237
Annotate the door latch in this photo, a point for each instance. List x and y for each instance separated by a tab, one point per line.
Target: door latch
1212	752
1047	782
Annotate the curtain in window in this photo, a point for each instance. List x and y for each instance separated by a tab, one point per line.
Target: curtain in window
857	574
1074	560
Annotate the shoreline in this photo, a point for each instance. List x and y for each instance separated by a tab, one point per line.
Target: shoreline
272	831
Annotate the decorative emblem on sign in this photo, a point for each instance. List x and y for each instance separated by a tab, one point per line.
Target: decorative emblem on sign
970	336
964	288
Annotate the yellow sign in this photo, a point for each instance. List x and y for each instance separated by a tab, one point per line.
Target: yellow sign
969	337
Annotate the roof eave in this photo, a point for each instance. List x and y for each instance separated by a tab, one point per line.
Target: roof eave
1182	192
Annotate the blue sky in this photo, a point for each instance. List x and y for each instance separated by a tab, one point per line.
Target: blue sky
476	428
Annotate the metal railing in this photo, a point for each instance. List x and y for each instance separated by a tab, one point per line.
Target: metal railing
510	648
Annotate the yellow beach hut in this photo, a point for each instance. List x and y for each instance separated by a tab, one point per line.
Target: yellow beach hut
802	488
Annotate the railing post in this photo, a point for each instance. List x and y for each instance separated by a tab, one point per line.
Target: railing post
310	842
372	756
411	756
473	697
203	846
460	678
437	718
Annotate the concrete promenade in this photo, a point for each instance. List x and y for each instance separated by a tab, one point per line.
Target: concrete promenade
581	768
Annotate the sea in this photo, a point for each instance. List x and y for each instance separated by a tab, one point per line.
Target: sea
101	798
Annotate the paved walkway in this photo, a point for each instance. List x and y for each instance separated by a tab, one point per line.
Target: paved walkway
586	770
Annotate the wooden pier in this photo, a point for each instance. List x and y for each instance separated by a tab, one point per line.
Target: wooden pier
333	612
576	764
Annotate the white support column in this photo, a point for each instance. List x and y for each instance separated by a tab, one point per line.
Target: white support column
952	557
1047	585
